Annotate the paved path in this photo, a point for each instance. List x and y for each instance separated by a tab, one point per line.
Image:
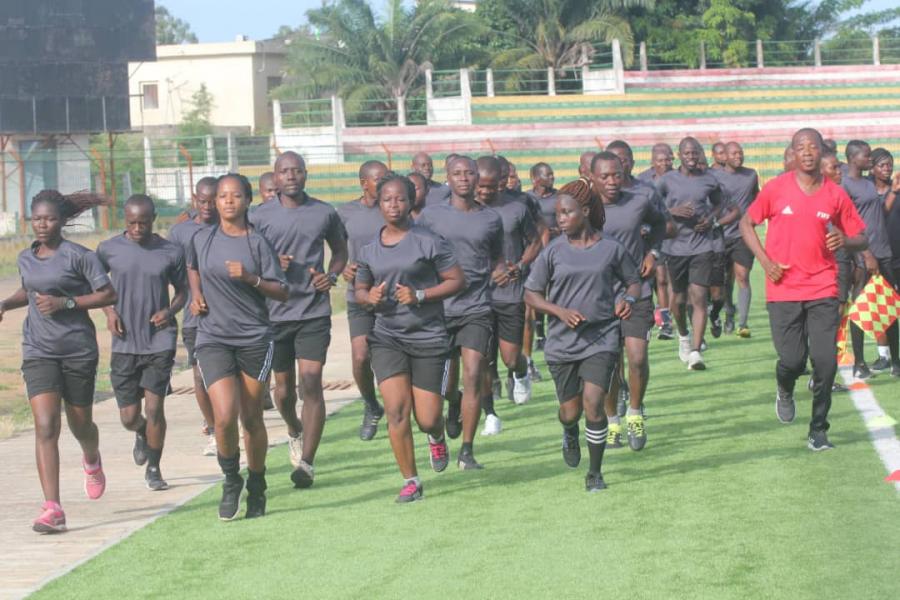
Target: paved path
29	560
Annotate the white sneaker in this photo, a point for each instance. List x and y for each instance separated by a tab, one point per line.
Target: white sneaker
695	361
492	425
211	448
521	389
295	447
684	347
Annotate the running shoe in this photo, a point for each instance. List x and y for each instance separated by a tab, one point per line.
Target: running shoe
256	497
836	388
623	399
571	449
695	361
521	389
882	364
665	332
818	441
211	449
139	451
785	407
729	325
637	434
614	437
496	389
94	480
51	520
453	422
492	425
533	371
369	426
715	327
467	462
862	372
231	497
295	449
657	317
684	348
155	482
743	332
440	454
303	475
410	492
593	482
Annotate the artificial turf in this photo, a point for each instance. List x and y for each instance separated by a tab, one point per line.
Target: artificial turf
724	502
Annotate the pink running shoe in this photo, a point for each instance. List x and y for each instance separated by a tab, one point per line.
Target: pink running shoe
440	454
410	493
52	519
94	481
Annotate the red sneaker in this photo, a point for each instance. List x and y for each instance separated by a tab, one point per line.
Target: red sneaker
94	480
440	454
52	519
410	492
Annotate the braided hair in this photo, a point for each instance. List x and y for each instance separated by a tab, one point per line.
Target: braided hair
582	189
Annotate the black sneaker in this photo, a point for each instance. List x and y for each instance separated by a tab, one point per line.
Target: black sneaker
715	327
785	408
155	482
533	371
623	399
593	482
839	388
256	497
666	332
818	442
571	449
369	426
453	422
882	364
231	497
139	452
862	372
467	462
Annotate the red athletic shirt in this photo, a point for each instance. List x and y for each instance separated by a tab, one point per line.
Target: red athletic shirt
796	232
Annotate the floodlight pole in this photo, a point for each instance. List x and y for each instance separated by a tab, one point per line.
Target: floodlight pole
111	210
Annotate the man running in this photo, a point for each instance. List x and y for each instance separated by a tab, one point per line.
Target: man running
298	226
809	218
439	193
142	266
740	186
720	156
362	221
661	161
694	198
267	189
476	234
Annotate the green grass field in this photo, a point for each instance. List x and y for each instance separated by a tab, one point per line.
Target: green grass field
724	502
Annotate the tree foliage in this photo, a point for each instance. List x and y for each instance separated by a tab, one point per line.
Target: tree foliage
197	120
172	30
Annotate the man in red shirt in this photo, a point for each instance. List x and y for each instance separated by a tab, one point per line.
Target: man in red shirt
810	217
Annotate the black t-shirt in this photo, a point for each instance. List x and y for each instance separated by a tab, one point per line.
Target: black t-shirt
182	234
636	206
518	231
547	206
362	223
739	189
870	207
700	191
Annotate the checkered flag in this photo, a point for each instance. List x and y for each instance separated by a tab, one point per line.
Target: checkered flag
876	308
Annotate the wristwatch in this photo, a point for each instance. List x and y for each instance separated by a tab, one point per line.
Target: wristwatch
420	296
629	299
69	303
333	277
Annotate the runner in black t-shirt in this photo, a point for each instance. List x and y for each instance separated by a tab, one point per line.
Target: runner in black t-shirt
403	276
142	267
61	281
267	188
362	221
720	155
232	270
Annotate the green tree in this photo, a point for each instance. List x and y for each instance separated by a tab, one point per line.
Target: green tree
172	30
196	121
369	61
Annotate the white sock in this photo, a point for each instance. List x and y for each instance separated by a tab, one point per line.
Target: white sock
884	352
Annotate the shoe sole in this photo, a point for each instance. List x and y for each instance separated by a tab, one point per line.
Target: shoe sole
301	480
489	433
697	367
819	449
409	499
464	467
48	529
231	518
161	488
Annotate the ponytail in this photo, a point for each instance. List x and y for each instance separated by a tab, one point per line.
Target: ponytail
71	205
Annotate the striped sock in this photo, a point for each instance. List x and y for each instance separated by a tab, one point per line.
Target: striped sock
595	434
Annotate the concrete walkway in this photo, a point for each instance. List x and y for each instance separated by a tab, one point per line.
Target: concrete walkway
29	560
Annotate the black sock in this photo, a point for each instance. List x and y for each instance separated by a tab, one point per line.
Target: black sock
595	434
716	309
256	481
153	456
521	369
857	341
569	427
466	448
487	404
230	465
539	328
372	403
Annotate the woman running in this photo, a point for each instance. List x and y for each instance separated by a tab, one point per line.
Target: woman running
404	274
232	270
574	280
61	281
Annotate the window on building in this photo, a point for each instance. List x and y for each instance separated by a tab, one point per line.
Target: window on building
150	92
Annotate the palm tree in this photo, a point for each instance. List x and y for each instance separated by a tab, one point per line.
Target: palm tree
373	63
559	34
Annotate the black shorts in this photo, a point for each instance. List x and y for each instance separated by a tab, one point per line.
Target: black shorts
189	338
72	379
509	322
131	374
641	322
218	361
738	252
844	274
569	377
426	367
719	269
696	269
361	320
471	331
306	340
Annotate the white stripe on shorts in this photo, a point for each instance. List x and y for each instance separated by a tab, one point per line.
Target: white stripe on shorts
267	364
